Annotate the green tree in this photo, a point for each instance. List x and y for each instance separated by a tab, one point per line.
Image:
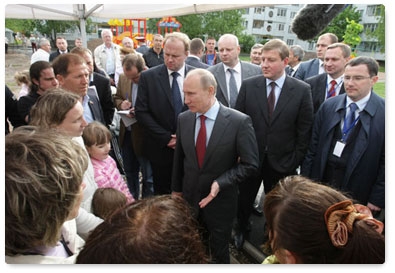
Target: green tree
352	35
208	24
218	23
246	42
339	24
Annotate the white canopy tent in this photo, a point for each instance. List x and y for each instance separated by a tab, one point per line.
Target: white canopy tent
81	12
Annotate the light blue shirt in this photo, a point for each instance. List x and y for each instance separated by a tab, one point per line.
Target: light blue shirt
87	110
211	116
279	85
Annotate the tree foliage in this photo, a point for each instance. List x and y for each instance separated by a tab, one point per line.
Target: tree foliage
339	24
208	24
352	36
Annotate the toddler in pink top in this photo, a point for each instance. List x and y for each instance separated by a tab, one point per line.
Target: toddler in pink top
97	139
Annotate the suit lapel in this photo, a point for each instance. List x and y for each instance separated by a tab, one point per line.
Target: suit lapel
163	78
286	96
261	97
219	129
220	75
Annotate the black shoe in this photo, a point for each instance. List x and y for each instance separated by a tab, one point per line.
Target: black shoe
239	240
257	211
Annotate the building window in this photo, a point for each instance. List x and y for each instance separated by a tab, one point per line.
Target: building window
258	11
370	27
271	13
281	27
290	42
292	14
257	23
281	12
269	28
373	10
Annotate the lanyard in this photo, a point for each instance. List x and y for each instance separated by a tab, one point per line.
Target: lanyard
346	130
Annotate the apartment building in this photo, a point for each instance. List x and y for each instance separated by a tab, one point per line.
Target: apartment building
268	22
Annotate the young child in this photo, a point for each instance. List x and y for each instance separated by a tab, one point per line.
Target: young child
97	142
106	201
22	78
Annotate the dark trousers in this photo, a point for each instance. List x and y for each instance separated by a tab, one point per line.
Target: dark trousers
131	165
161	172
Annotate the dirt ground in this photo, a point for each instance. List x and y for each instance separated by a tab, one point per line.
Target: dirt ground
15	60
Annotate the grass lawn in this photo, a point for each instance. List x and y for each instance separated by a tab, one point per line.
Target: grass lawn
379	89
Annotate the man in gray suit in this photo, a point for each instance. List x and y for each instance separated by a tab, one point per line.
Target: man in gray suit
229	51
209	181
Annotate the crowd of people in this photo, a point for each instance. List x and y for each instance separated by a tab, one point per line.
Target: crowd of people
136	154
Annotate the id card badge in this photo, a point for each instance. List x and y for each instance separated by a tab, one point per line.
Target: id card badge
339	147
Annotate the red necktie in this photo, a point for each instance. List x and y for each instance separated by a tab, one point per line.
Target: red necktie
271	99
332	91
201	141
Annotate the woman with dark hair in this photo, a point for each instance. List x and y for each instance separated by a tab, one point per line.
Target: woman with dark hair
154	230
312	223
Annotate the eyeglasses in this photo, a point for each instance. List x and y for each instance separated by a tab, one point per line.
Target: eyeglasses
355	78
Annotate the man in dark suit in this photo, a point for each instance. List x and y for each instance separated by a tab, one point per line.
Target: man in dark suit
229	51
195	53
352	157
282	124
72	73
315	66
157	107
209	180
330	84
296	54
61	44
99	82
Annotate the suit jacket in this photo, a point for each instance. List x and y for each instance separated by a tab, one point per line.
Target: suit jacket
55	54
124	90
365	173
155	111
308	69
103	88
195	62
232	139
319	89
284	139
247	70
94	105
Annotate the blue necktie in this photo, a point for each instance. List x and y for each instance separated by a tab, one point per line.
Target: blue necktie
350	118
177	101
232	89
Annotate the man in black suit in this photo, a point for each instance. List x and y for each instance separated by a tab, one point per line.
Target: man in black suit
157	107
330	84
282	124
72	73
61	44
209	180
100	83
195	53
